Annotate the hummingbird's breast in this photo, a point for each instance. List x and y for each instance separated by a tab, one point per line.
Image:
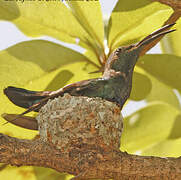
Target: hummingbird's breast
118	89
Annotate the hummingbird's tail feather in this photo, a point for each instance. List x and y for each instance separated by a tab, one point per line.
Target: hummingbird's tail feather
22	121
32	100
24	98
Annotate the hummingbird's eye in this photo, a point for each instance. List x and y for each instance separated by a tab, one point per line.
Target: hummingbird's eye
118	50
124	49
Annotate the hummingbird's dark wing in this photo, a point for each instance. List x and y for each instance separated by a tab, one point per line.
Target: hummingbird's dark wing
24	98
34	100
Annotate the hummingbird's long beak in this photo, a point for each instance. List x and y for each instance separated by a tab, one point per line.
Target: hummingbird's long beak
149	41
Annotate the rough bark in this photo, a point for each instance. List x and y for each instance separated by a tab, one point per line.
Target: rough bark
88	161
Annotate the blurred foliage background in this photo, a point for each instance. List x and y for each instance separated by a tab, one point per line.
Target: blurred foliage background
44	65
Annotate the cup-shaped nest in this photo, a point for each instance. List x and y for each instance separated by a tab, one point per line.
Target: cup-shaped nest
71	120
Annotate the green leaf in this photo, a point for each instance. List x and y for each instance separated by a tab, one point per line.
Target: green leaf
175	132
44	18
131	20
162	92
8	10
59	80
171	43
164	67
148	126
39	55
46	173
167	148
77	71
151	89
32	173
89	15
91	55
42	62
141	87
21	173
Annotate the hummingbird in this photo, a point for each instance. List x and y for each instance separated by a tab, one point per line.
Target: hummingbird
114	85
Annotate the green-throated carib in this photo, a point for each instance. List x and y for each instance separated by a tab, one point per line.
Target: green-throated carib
114	85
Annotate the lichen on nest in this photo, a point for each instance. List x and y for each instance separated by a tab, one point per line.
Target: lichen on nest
69	120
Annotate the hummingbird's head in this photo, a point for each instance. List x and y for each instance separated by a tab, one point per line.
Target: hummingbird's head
123	59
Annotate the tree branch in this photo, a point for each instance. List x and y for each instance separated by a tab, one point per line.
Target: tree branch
90	161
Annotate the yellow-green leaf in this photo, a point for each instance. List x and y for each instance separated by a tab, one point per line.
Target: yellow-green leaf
167	148
72	73
161	92
171	43
8	10
32	173
148	126
44	18
39	55
131	20
164	67
20	173
141	87
89	16
46	173
176	132
91	55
